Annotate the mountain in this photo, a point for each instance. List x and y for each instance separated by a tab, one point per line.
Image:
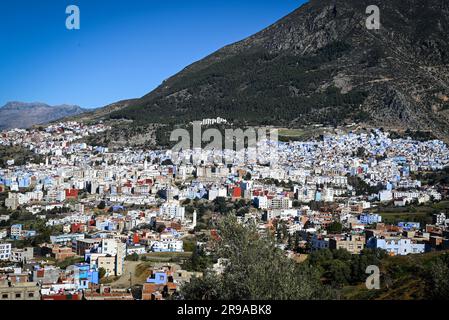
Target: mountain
319	64
24	115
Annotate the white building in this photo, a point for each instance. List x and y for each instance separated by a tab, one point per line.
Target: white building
135	249
261	202
16	231
22	255
385	196
172	210
5	251
3	233
280	203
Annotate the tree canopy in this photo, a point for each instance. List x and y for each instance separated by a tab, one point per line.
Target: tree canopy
255	269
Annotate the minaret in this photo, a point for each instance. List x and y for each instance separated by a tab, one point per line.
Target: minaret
194	219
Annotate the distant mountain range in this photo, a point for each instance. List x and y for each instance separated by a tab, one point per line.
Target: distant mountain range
24	115
319	64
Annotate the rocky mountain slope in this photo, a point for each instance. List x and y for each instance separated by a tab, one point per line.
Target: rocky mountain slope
25	115
319	64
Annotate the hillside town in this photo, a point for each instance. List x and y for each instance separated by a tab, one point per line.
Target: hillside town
86	222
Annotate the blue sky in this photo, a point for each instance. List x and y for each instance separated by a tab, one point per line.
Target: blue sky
124	49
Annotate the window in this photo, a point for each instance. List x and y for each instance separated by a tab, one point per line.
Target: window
18	295
5	296
30	294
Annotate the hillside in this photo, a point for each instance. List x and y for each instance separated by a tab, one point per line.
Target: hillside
25	115
319	64
412	277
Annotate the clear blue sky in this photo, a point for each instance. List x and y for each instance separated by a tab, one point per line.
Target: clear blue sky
124	49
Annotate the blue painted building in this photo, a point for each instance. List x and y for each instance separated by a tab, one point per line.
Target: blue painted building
396	246
158	278
24	182
409	225
367	218
85	276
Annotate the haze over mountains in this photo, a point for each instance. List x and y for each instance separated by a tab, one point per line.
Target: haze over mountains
24	115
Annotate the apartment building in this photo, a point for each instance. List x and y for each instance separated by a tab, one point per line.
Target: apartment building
352	243
19	291
5	251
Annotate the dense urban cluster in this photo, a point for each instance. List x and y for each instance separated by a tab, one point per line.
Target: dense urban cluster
91	223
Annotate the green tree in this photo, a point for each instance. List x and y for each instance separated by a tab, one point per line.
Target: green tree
335	227
220	205
205	288
339	273
132	257
101	205
199	261
437	282
101	272
255	269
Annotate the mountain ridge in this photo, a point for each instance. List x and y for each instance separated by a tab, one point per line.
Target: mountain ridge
319	64
16	114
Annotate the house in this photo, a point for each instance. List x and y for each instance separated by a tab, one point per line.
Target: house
368	218
107	293
71	194
409	225
183	276
83	245
66	238
159	285
319	242
401	202
61	253
168	242
352	243
16	231
46	275
19	291
158	277
385	196
135	249
107	263
396	245
110	256
152	291
172	246
5	251
83	275
22	255
440	219
17	276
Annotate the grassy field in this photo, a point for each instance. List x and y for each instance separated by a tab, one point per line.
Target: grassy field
291	132
306	133
166	256
417	213
300	134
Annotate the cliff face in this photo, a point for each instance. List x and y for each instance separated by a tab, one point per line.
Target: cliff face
320	64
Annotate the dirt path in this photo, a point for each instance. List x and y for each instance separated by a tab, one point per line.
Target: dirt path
128	271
